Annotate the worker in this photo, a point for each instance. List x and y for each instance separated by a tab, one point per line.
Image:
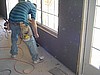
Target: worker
19	25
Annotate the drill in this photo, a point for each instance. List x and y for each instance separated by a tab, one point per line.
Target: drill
26	32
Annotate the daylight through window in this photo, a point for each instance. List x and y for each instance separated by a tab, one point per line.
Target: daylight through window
47	13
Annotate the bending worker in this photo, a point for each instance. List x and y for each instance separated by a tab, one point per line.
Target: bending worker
19	25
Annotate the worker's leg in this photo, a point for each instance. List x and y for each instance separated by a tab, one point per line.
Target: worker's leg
33	35
14	38
32	48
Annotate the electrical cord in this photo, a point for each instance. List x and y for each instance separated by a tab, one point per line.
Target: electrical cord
17	60
16	63
6	70
23	70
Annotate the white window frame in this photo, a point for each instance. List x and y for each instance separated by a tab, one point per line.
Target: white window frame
40	16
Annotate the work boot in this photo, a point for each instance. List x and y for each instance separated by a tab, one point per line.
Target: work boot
13	56
38	60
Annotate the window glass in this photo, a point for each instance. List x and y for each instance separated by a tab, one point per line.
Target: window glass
38	18
10	4
97	19
95	48
38	14
49	12
98	2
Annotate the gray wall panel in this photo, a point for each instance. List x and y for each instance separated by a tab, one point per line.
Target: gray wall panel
66	47
3	11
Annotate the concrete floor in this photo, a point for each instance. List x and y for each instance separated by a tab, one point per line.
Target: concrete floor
22	65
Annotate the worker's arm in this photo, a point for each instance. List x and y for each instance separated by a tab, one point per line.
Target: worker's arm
34	27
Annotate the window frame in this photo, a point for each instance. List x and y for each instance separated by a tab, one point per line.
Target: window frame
46	28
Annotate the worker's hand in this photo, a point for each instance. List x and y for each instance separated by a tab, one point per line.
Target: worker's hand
36	35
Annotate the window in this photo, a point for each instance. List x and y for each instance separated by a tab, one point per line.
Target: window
95	53
47	13
10	4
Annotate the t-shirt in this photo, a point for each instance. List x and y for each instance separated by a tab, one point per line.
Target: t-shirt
21	12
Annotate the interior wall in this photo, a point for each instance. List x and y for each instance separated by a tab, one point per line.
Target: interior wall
3	11
66	47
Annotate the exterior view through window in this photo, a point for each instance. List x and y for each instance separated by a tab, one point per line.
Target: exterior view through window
95	48
47	13
10	4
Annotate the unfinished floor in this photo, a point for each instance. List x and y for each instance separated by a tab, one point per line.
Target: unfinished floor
22	65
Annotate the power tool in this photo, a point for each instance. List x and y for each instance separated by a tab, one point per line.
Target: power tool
26	32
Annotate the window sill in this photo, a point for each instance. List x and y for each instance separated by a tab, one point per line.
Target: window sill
48	30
